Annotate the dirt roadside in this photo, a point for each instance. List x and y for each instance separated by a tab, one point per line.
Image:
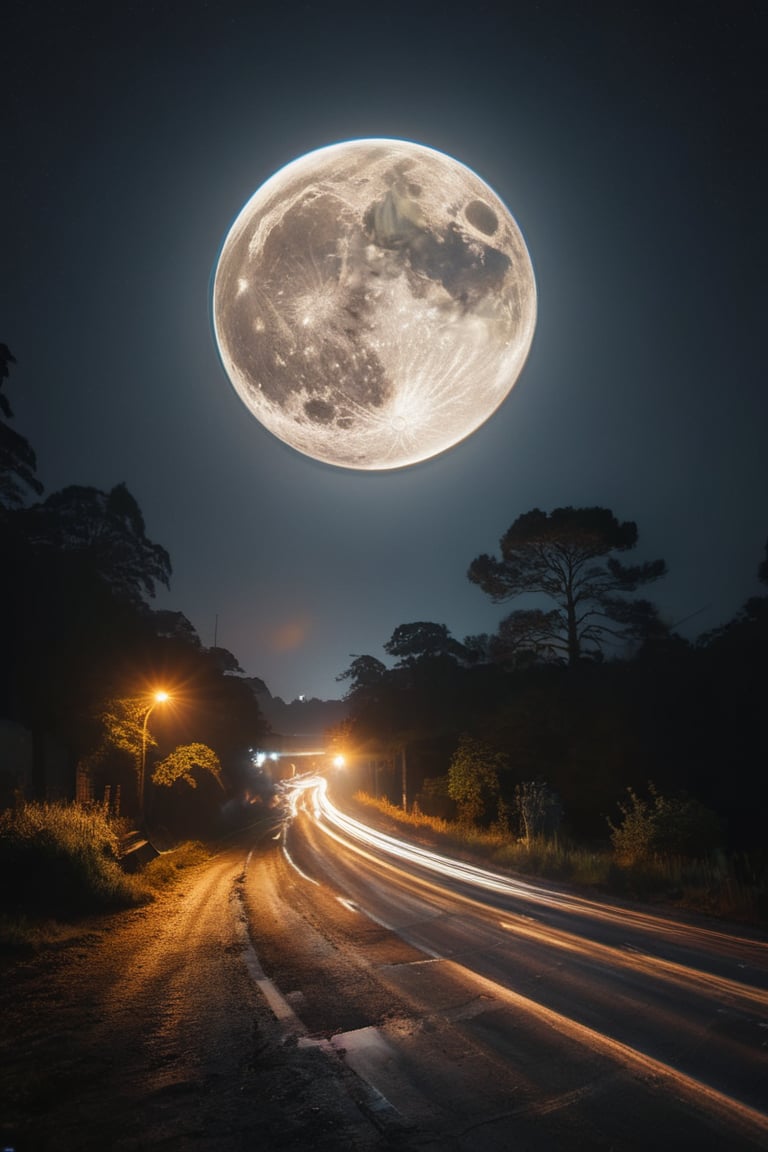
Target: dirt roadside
144	1030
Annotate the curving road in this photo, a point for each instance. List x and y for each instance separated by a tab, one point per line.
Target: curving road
479	1010
316	985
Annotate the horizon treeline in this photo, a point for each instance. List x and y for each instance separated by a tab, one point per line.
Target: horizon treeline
588	691
589	695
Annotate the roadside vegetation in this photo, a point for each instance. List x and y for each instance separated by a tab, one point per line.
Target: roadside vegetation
527	748
536	743
66	863
628	866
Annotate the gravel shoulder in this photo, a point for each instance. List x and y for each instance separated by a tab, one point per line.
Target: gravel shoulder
145	1030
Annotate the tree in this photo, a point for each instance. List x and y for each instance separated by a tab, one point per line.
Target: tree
181	763
410	642
731	716
17	459
122	727
123	724
6	359
105	532
537	808
525	636
473	778
748	628
223	660
365	675
174	626
663	825
568	556
762	568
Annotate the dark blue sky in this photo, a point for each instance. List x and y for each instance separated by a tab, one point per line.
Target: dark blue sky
628	140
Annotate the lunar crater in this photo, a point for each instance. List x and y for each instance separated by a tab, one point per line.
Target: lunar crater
374	303
482	217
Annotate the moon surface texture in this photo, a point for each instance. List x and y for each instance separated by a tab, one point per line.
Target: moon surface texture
374	303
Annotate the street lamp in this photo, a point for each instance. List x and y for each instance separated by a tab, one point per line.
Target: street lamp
158	698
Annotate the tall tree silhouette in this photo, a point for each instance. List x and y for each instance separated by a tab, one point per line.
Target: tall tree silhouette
105	532
568	556
18	463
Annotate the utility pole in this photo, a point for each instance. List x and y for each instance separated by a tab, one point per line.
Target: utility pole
405	783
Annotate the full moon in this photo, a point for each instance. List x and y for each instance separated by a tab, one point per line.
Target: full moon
374	303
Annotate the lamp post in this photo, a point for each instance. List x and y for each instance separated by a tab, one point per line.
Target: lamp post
158	698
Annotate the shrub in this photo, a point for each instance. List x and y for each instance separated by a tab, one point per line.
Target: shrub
473	779
63	858
633	838
663	825
735	889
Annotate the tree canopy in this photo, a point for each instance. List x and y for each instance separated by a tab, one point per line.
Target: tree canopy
569	557
105	531
411	642
365	673
183	761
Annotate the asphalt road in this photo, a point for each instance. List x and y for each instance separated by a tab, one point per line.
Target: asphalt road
494	1013
308	988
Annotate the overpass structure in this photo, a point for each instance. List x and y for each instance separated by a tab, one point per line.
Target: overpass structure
286	762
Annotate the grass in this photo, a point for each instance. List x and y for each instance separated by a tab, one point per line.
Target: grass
64	858
164	869
62	862
732	889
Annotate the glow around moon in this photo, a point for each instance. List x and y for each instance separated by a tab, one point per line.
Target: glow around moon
374	303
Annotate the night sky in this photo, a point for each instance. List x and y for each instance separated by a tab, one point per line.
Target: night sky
628	141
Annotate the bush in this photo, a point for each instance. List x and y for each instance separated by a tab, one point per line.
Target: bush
735	889
63	859
663	826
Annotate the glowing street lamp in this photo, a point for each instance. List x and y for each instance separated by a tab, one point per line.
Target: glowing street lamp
159	697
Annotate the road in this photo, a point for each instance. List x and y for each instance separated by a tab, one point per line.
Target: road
146	1030
479	1009
312	987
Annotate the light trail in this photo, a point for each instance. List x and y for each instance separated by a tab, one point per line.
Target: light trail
717	1102
371	844
365	840
326	813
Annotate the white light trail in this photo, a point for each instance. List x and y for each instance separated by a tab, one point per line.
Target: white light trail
365	840
323	809
328	816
